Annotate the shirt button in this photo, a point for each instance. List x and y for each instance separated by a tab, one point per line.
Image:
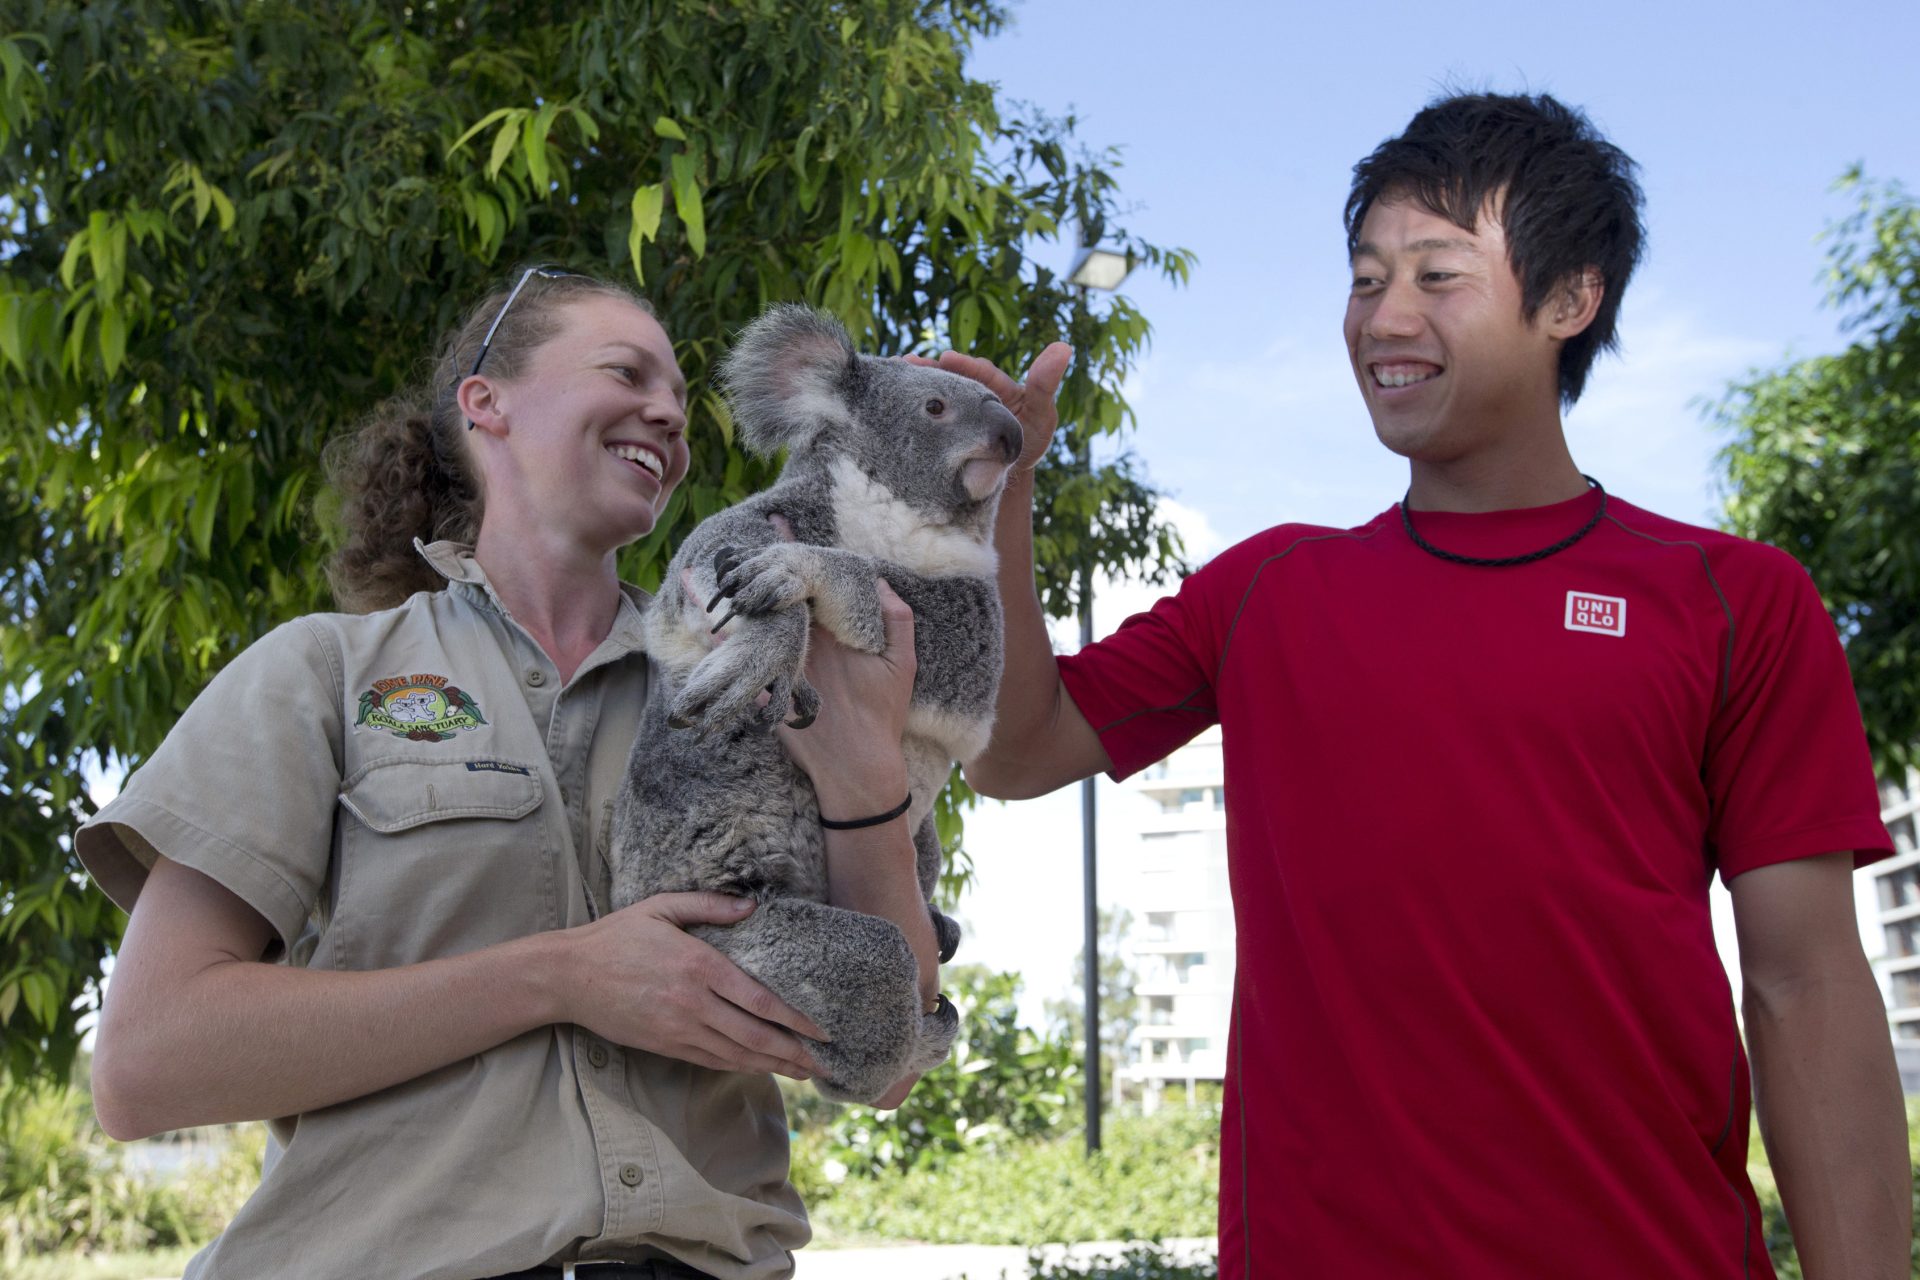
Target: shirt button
630	1174
597	1056
536	677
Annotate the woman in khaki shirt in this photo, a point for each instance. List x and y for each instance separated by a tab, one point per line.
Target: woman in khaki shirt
367	870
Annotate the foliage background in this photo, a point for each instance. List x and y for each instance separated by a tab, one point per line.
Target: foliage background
228	229
1824	460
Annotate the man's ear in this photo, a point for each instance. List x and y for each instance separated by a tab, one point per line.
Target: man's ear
1575	303
480	403
789	376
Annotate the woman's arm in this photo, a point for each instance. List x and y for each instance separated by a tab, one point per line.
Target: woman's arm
197	1029
852	754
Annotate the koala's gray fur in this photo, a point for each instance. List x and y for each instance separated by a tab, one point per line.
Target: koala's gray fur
894	471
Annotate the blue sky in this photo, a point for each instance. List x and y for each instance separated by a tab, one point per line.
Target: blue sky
1239	126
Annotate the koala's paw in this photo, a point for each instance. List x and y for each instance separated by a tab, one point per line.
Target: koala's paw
757	584
937	1030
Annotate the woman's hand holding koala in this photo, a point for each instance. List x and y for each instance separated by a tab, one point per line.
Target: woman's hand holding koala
638	979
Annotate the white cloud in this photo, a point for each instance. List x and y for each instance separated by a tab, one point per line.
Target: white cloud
1640	429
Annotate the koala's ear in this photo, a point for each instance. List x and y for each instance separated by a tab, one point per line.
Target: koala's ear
789	376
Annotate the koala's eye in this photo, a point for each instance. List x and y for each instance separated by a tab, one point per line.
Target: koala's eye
936	407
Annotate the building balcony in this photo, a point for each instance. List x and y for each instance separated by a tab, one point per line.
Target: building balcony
1900	861
1193	818
1164	1072
1169	987
1190	1030
1182	944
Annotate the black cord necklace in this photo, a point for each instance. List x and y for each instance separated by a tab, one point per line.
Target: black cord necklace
1502	562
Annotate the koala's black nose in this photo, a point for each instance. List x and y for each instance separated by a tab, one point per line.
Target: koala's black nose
1005	428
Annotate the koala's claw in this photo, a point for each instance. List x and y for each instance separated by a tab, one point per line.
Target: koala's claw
731	615
725	561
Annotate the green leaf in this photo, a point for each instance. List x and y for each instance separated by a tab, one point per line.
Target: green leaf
224	205
534	140
70	261
666	128
113	338
485	120
206	505
687	203
648	203
12	311
43	1001
503	144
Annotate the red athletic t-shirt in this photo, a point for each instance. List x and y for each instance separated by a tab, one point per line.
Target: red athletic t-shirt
1480	1027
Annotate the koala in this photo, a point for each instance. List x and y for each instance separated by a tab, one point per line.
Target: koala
893	471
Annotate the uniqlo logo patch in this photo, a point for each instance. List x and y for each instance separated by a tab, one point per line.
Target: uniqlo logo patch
1606	615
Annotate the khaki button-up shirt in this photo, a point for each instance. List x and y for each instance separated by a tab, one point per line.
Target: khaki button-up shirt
389	788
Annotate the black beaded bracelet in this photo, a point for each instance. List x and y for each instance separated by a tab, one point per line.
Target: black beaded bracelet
856	823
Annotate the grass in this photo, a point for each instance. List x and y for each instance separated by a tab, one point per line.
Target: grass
157	1264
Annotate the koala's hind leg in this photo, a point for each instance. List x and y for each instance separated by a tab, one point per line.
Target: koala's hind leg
853	974
927	859
761	655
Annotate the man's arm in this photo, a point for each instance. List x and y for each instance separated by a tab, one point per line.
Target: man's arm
1040	740
1825	1084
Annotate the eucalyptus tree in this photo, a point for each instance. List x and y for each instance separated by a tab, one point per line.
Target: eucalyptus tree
1824	461
229	227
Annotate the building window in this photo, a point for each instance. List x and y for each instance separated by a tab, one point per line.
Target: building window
1903	938
1906	990
1900	888
1902	832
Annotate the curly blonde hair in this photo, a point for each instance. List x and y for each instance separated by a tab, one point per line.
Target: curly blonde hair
406	472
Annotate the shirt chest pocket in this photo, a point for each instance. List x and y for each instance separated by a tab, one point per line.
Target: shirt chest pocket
438	857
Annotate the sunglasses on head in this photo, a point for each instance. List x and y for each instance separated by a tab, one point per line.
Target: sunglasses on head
545	273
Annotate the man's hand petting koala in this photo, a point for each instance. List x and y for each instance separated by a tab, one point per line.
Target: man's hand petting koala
1030	400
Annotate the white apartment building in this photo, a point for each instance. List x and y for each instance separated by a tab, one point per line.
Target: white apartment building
1173	882
1895	905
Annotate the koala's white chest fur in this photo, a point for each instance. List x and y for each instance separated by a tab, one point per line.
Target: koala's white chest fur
870	520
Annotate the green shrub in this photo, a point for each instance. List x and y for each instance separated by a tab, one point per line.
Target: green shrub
1155	1177
1002	1085
65	1187
1144	1261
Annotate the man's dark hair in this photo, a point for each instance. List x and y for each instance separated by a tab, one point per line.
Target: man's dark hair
1566	197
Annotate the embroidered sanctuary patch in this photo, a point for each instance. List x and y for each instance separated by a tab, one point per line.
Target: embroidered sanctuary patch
422	708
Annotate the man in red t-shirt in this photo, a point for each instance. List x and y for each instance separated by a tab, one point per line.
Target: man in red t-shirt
1484	754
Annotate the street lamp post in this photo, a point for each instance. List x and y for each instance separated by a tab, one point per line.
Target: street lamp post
1102	269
